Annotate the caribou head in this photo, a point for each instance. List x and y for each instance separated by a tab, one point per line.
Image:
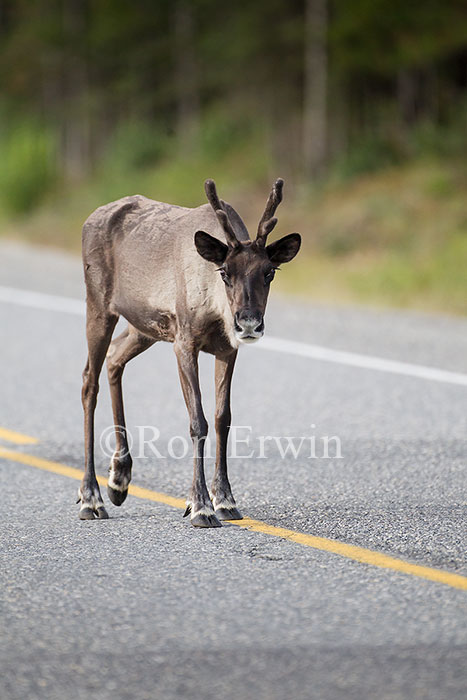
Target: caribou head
247	267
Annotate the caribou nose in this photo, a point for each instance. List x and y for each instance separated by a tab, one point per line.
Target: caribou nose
249	324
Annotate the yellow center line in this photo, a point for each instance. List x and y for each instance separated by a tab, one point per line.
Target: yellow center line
350	551
18	438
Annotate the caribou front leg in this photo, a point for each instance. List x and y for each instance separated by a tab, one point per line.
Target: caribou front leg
199	504
222	499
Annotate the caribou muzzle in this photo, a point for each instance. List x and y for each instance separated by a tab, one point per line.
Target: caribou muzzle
248	325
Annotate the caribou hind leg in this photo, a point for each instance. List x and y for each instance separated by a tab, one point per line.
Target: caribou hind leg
199	503
124	348
100	325
221	493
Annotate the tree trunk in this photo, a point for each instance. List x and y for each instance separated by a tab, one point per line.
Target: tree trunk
407	96
186	76
315	88
75	131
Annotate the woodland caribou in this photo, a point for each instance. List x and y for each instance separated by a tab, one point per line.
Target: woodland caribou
191	277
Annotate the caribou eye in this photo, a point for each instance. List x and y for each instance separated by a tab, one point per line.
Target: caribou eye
224	276
269	276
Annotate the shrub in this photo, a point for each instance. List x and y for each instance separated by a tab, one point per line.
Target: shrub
27	166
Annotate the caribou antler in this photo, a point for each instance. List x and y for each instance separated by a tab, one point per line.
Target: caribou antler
268	221
213	199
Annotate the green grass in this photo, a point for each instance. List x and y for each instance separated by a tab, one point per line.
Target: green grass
432	283
395	238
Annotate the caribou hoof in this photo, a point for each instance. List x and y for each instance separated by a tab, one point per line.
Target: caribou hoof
117	497
226	508
203	517
228	513
119	479
204	520
92	507
90	514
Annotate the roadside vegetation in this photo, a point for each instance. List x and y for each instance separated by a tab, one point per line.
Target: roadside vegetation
390	234
365	119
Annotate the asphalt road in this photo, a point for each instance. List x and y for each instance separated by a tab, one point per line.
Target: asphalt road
144	606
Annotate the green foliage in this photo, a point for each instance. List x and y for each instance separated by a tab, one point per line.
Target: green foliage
380	37
440	141
136	145
223	130
369	154
139	75
425	139
27	166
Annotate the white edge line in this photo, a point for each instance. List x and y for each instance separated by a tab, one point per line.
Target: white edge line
353	359
52	302
39	300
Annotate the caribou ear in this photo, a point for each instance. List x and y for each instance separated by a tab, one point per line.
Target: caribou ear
285	249
210	248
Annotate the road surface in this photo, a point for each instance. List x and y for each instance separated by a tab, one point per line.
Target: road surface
144	606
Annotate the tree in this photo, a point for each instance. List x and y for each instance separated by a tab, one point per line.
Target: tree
186	75
315	88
